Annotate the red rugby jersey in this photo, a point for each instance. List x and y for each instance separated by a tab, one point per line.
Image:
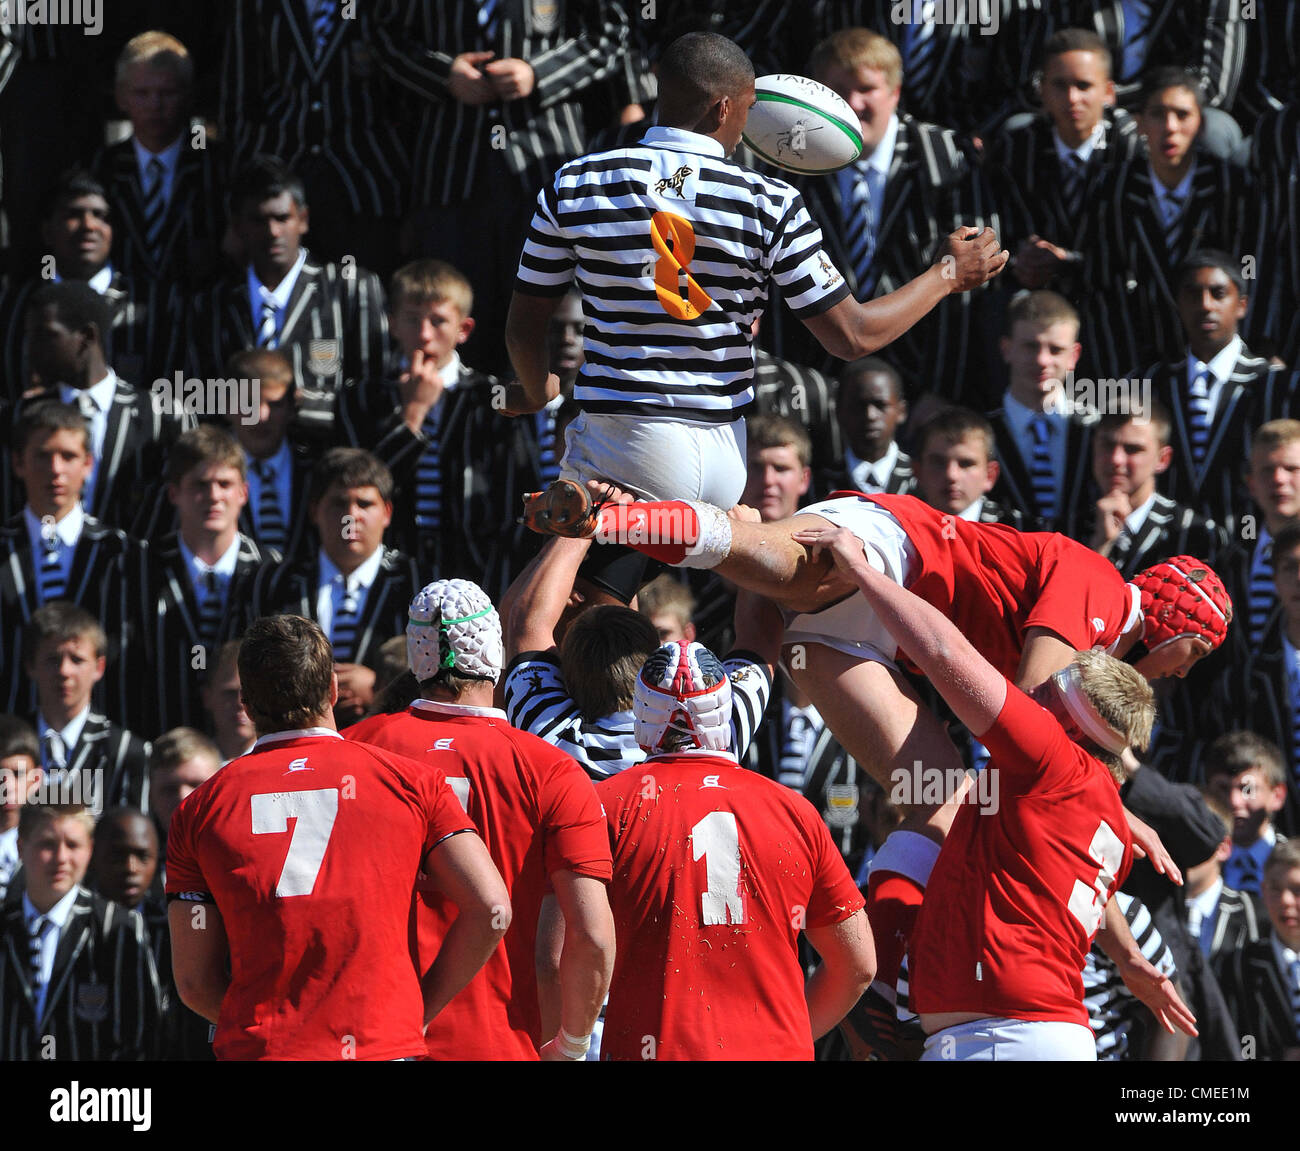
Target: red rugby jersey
1017	895
995	582
537	811
310	847
716	871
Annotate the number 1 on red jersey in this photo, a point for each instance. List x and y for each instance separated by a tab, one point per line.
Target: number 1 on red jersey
716	838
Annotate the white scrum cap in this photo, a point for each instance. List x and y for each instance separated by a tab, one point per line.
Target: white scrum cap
452	626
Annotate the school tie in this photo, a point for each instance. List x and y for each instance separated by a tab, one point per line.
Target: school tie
860	229
1173	221
271	531
1198	411
547	456
54	752
919	45
343	633
1042	475
267	332
1137	36
1261	594
34	934
489	19
428	474
155	207
53	583
793	763
323	24
210	608
1073	173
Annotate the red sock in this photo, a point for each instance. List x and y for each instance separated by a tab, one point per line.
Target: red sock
892	903
661	529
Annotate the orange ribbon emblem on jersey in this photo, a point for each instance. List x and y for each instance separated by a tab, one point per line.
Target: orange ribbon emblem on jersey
679	294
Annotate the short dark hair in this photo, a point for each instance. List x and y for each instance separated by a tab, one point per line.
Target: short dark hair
954	424
349	468
62	621
285	665
1170	76
854	370
601	656
76	305
1238	751
18	738
72	185
1286	539
695	70
1211	258
1078	40
206	444
47	416
264	178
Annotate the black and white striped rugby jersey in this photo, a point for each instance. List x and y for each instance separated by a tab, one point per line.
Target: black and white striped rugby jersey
537	701
673	247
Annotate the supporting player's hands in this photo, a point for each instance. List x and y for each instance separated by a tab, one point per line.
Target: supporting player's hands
419	387
841	544
1149	846
1158	993
971	258
511	79
607	492
467	82
744	514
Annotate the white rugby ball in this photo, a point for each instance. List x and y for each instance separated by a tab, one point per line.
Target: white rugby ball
801	125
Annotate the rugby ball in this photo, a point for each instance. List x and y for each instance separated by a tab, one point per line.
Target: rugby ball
801	125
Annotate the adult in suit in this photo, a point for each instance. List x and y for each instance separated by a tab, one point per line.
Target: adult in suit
77	979
312	82
140	337
1133	524
1046	169
499	110
201	576
166	181
1261	982
1217	390
355	588
53	551
130	428
885	218
435	423
1040	429
327	317
869	407
104	764
1149	215
956	468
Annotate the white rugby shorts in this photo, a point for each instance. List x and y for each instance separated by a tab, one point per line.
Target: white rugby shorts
657	458
851	626
1011	1040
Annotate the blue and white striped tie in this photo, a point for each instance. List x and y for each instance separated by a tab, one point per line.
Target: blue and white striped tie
270	518
1042	473
860	230
343	632
155	207
267	336
919	46
1261	594
323	24
1073	172
52	581
428	475
211	608
1198	412
1173	222
489	19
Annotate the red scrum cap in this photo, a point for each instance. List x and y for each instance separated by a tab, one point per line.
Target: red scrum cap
1182	596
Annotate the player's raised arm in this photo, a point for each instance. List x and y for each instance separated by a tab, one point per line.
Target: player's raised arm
461	868
532	607
970	685
851	329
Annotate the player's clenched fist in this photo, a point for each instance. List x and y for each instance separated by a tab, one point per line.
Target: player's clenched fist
972	258
843	546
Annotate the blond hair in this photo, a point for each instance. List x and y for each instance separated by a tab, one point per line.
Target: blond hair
1124	699
157	50
430	282
1272	435
855	48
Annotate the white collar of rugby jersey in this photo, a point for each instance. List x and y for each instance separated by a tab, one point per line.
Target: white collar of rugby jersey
438	707
682	140
297	733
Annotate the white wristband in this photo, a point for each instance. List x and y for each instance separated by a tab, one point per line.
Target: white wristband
571	1046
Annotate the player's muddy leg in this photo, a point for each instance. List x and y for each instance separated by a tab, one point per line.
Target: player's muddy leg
882	723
